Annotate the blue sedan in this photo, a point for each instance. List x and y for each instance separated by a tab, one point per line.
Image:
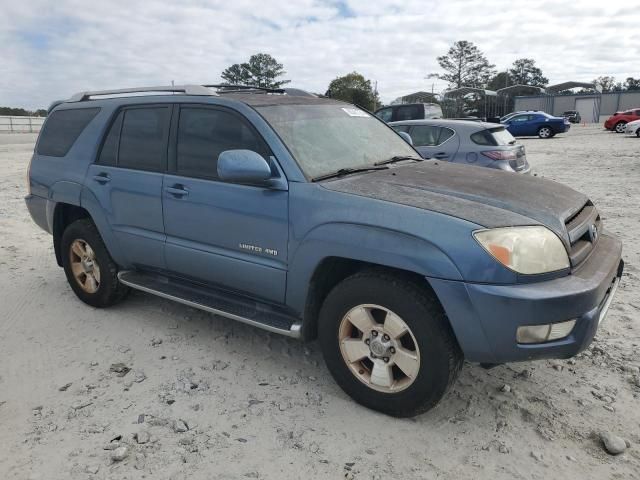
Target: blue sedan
537	123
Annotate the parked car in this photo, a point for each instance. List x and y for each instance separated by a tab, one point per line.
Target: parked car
573	116
310	217
618	121
409	111
506	117
469	143
538	123
633	127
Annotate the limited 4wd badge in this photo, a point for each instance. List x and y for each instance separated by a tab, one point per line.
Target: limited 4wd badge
355	112
257	249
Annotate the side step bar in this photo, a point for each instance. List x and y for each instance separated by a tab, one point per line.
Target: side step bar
225	304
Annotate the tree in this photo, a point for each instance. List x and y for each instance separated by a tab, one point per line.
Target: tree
632	84
500	80
525	72
608	84
354	88
236	74
465	66
262	70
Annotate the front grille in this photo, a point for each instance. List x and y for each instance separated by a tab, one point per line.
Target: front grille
583	229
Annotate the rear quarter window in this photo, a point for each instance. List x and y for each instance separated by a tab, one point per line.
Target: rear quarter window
62	129
493	137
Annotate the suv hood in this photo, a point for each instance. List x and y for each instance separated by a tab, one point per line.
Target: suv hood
485	196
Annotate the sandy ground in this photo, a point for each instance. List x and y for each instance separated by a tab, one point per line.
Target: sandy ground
257	405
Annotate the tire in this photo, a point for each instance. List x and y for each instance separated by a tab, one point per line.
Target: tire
638	133
84	256
620	126
429	339
545	132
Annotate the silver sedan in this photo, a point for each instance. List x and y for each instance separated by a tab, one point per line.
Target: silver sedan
472	143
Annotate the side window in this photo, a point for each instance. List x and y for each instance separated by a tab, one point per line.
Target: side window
425	135
520	118
445	134
62	129
143	141
204	133
109	152
637	113
483	137
401	128
385	114
409	112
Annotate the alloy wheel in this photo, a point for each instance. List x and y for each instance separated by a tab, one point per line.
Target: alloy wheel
620	127
85	269
545	132
379	348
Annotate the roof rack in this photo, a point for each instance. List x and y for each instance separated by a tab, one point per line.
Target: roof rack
231	88
293	92
185	89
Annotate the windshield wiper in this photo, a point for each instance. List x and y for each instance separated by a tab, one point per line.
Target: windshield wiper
346	171
399	158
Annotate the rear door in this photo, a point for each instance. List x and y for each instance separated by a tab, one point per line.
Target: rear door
220	233
434	142
127	177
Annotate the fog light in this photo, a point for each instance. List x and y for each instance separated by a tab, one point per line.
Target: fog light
544	333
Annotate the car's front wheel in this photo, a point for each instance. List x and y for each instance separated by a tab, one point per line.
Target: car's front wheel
620	127
388	344
90	270
545	132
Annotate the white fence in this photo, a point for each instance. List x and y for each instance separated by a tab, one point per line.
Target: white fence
12	124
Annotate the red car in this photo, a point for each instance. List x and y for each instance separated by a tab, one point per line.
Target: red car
618	120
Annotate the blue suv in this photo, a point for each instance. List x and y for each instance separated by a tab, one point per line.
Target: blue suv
311	218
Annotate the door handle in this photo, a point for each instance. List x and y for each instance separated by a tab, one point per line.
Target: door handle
440	155
177	191
102	178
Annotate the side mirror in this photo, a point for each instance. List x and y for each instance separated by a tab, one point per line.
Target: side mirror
406	137
243	166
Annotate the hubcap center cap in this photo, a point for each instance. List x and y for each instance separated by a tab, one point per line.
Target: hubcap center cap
87	265
378	348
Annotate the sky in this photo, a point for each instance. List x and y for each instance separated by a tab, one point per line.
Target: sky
52	49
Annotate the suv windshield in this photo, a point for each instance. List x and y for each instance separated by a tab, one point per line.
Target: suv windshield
327	138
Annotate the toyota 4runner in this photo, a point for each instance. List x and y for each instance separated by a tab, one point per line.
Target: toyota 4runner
311	218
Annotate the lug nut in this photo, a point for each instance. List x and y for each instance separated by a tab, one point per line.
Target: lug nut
367	341
385	337
392	350
374	333
386	359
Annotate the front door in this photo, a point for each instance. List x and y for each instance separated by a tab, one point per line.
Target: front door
231	235
126	181
520	125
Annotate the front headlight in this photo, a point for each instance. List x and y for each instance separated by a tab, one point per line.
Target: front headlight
528	250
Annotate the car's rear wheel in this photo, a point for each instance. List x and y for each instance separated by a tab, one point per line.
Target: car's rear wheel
90	270
387	343
620	126
545	132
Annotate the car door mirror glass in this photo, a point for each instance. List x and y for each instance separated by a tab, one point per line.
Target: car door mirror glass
406	137
243	166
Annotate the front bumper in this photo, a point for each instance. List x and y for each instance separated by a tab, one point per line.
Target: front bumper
631	129
485	317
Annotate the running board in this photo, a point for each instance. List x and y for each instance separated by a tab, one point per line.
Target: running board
225	304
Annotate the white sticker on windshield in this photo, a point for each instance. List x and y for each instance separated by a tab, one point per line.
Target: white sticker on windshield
355	112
